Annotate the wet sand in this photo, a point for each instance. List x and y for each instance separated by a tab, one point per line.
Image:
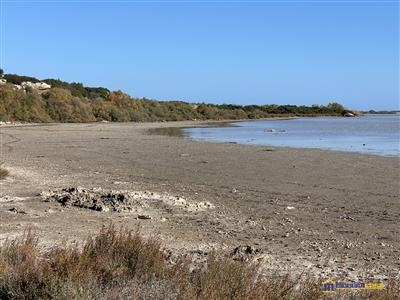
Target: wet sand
330	213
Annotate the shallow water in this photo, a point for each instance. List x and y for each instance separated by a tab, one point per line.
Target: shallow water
372	134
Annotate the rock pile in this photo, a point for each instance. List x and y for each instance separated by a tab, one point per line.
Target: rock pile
95	199
120	201
39	86
36	85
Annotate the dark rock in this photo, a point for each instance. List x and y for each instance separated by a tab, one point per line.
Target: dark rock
244	253
17	211
144	217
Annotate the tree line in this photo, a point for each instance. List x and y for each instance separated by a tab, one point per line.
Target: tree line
74	102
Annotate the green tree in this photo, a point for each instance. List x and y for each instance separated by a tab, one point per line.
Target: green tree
336	107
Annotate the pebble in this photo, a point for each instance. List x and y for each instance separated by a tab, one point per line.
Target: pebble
16	210
144	217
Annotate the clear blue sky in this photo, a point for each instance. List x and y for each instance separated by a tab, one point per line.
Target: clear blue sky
285	52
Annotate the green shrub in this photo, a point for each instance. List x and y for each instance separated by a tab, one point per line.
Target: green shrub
18	79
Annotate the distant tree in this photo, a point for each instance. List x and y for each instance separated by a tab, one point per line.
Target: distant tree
17	79
1	73
336	107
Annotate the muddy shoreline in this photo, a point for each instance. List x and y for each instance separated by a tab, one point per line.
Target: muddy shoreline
326	212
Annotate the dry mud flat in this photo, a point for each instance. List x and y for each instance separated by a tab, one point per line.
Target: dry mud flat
293	210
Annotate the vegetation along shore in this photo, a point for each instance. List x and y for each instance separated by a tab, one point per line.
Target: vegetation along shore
28	99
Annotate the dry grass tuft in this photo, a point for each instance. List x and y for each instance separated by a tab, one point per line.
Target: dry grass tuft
120	264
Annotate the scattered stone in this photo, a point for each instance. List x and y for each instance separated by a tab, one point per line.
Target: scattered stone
45	194
17	211
203	205
346	217
244	253
251	222
290	207
102	208
144	217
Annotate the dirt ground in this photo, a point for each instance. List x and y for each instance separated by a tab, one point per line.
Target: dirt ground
325	212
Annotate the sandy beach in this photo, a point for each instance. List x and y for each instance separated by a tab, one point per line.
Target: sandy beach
326	212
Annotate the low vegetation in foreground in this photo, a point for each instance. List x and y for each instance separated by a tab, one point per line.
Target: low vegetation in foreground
119	264
57	101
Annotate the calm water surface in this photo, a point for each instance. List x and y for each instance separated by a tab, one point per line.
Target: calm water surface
373	134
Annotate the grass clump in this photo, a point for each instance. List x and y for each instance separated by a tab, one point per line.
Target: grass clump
120	264
107	262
